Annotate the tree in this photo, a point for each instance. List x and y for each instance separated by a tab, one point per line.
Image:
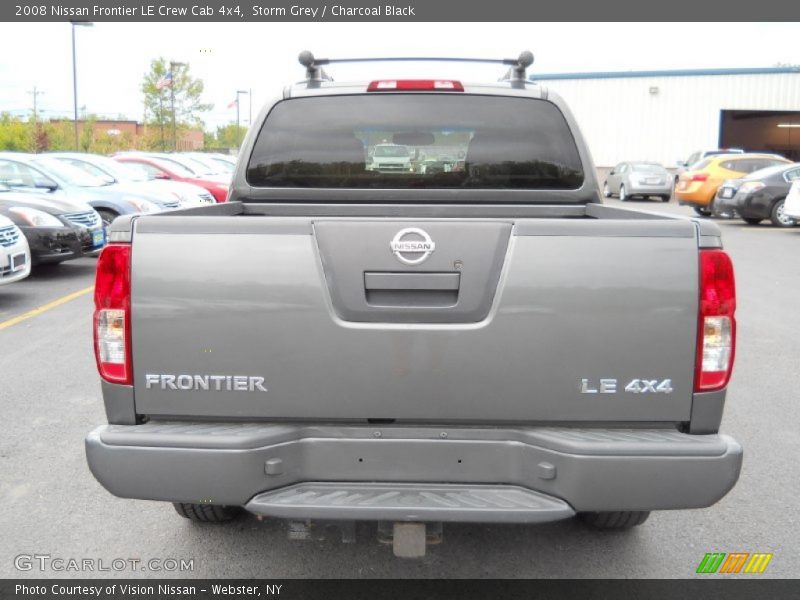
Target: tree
87	133
158	102
15	134
225	137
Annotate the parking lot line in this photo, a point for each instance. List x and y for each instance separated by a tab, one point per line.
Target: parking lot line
44	308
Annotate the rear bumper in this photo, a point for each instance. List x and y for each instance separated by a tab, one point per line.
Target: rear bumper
524	474
650	190
749	206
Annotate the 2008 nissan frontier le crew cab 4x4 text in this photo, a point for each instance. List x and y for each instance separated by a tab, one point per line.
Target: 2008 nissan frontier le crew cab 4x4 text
482	343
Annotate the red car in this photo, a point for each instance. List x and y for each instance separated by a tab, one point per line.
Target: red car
167	169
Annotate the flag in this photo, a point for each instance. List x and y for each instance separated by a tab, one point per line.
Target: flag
165	81
234	103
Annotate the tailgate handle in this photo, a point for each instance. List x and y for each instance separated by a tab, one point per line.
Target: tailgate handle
412	281
412	290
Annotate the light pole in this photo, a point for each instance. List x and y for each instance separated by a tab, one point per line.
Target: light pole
75	74
238	129
172	65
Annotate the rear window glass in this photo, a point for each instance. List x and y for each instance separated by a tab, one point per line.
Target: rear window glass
393	141
749	165
647	167
701	165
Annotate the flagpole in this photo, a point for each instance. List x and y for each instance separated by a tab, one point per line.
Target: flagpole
161	117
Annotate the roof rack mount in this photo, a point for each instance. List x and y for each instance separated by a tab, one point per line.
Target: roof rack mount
516	73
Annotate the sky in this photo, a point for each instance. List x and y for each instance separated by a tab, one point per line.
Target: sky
112	58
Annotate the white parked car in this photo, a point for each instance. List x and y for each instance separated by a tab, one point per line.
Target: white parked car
15	256
791	207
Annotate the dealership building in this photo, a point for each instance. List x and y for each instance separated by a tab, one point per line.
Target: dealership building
664	116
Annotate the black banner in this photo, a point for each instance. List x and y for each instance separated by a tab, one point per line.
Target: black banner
311	589
395	10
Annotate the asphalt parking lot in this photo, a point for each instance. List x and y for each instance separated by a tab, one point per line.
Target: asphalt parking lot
50	399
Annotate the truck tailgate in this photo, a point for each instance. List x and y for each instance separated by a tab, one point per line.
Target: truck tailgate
505	319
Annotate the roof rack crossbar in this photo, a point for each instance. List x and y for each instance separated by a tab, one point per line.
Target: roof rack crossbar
517	71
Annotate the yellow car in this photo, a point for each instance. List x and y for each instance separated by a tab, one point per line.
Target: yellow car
698	185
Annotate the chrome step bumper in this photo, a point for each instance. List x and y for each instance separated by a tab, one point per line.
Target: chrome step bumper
410	502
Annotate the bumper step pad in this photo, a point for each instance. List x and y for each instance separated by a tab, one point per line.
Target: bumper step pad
410	502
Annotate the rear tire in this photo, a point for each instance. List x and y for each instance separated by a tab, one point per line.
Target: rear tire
665	198
752	220
615	520
207	513
606	190
702	211
777	216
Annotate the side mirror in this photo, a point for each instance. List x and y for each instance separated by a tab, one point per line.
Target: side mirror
45	184
612	172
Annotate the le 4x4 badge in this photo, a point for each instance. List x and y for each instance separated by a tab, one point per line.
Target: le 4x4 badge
634	386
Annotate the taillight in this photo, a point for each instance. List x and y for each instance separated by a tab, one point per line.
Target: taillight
112	314
700	177
716	336
415	85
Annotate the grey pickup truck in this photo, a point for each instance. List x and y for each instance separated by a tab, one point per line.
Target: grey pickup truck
484	342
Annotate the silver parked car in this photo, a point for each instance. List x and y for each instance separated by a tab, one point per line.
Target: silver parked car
638	179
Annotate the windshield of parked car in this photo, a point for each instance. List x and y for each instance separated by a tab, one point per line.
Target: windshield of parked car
172	166
209	166
128	173
67	173
224	165
484	142
89	168
391	151
196	168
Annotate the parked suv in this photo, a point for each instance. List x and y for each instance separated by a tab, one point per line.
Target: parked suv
696	157
484	345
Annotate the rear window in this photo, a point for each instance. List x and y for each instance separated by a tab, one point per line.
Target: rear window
701	165
647	167
395	141
750	165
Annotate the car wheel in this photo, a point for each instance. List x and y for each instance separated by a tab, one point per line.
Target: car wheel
622	195
665	198
702	211
618	519
207	513
752	220
606	190
778	217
